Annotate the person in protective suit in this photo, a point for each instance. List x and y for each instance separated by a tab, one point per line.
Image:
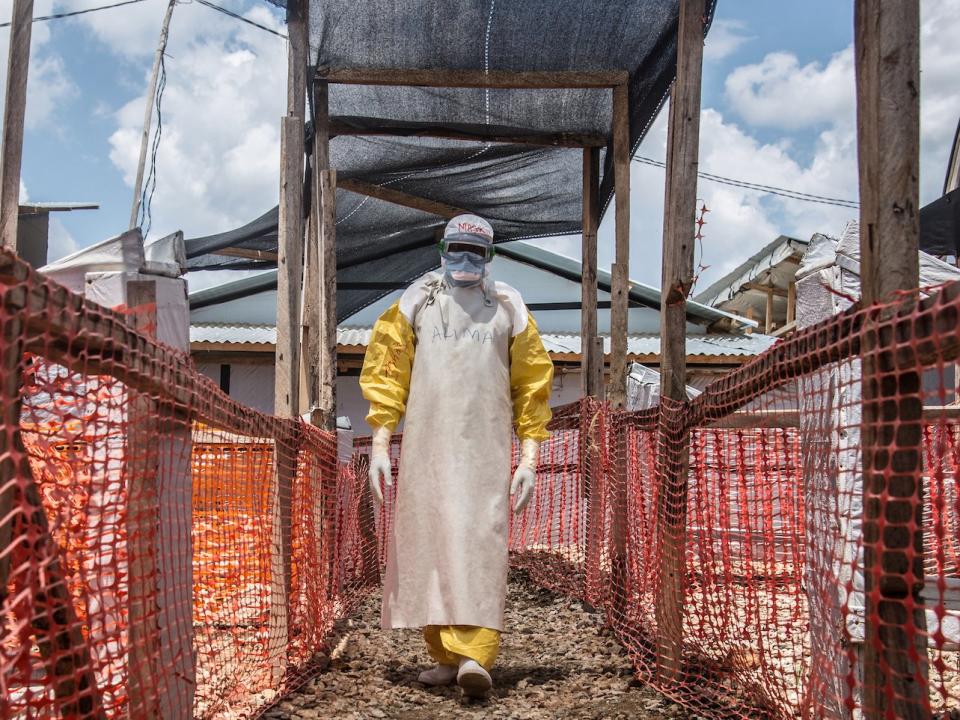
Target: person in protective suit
460	356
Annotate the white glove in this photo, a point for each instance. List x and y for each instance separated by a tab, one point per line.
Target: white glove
525	478
380	461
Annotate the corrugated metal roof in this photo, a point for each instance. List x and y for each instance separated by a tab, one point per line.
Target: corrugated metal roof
707	345
559	265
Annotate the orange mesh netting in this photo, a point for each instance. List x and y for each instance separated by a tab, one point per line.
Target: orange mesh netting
784	545
165	551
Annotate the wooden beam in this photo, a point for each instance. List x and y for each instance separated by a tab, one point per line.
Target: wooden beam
767	289
791	302
57	630
443	77
261	255
14	111
768	314
391	129
311	280
788	418
328	301
289	269
144	665
588	269
620	276
678	250
895	665
398	197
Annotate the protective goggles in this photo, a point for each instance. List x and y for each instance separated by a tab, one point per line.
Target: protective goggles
466	242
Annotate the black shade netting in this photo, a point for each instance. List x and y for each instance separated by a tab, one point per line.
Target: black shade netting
525	191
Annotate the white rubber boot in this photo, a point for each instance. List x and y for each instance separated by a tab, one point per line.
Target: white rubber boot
439	675
473	679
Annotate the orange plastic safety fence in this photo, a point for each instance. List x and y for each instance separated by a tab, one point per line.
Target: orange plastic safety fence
164	550
784	545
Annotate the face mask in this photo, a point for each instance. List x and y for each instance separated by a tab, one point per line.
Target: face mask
463	269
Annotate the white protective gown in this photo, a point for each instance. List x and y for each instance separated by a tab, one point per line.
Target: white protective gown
447	555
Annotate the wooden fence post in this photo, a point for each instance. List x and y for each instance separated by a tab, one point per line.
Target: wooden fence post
678	247
14	112
159	541
620	280
141	466
55	625
588	272
887	34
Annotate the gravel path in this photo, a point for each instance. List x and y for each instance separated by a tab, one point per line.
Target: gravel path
556	662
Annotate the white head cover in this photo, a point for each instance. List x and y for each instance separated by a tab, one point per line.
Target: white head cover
470	225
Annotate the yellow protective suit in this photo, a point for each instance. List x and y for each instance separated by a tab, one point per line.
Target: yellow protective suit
385	382
387	366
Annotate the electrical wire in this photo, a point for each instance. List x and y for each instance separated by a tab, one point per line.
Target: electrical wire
241	18
769	189
150	186
57	16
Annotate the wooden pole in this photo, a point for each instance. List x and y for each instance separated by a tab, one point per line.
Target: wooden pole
55	625
324	276
791	302
289	268
895	664
287	372
679	225
14	112
328	300
148	112
768	313
588	272
141	470
620	283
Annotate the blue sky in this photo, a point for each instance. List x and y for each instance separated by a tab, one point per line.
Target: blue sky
777	99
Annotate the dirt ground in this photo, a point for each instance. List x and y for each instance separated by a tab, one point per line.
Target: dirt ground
556	661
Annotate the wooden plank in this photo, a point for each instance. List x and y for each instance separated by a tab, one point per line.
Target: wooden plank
144	669
289	269
374	126
895	665
311	281
768	289
443	77
791	302
768	315
398	197
597	365
249	254
588	270
620	282
328	301
678	249
14	111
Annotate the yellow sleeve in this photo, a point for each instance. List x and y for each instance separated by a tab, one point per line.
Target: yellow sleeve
531	378
385	378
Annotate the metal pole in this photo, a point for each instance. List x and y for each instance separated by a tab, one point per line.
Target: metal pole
148	113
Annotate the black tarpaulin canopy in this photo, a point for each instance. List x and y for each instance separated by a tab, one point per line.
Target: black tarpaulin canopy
525	190
940	225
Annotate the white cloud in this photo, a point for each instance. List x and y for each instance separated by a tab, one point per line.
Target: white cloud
779	92
60	242
218	163
724	39
939	92
48	83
